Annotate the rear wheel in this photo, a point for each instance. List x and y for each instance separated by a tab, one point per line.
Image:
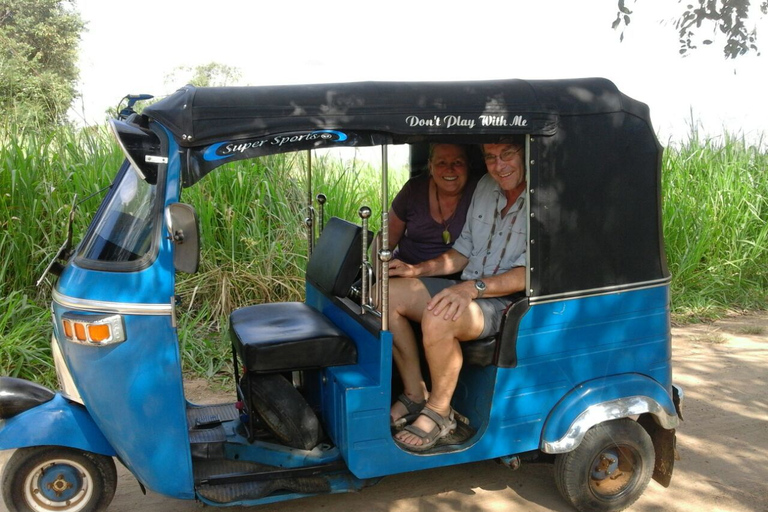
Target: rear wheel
48	478
609	470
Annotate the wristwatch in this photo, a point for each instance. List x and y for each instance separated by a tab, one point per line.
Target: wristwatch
480	287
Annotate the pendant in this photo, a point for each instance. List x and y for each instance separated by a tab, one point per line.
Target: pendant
446	237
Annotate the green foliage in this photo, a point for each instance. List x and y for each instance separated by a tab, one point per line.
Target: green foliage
25	334
716	226
252	227
38	59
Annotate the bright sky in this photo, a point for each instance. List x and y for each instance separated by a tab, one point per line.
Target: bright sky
301	41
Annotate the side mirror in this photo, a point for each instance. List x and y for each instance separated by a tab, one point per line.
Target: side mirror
184	231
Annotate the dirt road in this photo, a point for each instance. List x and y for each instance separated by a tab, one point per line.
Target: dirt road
723	444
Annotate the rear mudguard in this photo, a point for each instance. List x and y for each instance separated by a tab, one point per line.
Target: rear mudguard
605	399
39	421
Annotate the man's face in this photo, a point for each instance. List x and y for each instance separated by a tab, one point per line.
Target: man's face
505	164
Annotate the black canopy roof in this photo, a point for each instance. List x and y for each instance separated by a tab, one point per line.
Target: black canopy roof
594	160
200	116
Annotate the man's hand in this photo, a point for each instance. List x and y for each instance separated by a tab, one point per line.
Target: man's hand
399	268
452	301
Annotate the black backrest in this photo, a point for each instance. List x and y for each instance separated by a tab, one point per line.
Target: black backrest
335	262
506	346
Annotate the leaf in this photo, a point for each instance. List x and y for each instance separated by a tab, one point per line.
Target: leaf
623	8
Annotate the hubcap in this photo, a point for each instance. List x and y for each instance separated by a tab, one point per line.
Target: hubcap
613	472
58	485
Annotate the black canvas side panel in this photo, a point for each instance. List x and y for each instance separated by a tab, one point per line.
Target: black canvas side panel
595	209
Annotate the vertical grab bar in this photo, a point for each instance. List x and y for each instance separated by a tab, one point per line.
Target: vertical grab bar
365	213
309	221
384	253
321	199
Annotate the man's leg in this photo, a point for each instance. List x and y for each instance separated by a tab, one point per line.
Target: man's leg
441	345
407	301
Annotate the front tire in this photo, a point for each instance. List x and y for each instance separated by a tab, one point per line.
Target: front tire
50	478
609	470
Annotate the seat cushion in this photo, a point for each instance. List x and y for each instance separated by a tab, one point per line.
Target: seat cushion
479	352
288	336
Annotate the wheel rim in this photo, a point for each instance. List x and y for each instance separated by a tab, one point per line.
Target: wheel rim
58	484
614	472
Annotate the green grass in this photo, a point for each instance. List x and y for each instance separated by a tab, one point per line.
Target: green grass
716	226
254	239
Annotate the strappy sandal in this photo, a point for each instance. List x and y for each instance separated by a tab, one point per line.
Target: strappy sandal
443	427
413	408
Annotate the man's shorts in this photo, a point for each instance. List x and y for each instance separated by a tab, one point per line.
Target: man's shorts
493	308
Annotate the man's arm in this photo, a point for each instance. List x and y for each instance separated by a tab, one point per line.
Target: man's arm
449	262
451	302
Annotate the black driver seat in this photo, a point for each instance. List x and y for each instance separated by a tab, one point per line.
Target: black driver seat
286	336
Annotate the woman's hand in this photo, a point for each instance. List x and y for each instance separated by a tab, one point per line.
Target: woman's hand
399	268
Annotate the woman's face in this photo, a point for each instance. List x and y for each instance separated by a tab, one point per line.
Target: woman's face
449	168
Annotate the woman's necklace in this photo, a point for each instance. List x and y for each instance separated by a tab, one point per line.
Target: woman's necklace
446	233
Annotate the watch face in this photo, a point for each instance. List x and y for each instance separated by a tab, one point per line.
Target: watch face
480	285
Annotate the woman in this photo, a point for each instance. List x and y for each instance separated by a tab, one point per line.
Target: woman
426	217
428	213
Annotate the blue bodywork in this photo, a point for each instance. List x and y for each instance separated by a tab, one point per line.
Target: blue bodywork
570	355
133	389
58	422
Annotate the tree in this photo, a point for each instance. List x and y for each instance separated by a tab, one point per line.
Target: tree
212	74
38	58
733	18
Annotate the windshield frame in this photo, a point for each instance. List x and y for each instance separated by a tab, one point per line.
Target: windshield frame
149	257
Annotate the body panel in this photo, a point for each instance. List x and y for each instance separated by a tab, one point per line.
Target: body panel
134	389
57	422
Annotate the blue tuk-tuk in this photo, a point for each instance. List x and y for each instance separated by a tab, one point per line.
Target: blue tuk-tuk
579	373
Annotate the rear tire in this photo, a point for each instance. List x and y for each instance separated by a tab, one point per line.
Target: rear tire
285	412
609	470
51	478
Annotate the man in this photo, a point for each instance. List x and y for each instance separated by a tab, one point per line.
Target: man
491	253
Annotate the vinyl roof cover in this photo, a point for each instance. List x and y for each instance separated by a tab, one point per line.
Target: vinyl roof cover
200	116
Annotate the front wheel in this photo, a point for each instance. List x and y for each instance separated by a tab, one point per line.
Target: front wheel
50	478
609	470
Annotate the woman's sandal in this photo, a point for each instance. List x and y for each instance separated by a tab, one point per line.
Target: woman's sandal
413	408
443	427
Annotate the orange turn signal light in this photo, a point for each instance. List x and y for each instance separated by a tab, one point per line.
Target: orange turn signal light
93	329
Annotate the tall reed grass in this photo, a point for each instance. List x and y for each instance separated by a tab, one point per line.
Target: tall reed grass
254	239
716	225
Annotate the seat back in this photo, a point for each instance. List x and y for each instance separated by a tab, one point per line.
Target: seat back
337	256
506	347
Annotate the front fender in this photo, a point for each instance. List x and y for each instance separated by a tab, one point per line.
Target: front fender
57	422
599	400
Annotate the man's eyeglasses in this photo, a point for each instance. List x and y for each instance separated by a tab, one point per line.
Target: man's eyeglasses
506	156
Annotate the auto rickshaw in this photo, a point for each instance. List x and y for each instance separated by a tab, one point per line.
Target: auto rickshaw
579	374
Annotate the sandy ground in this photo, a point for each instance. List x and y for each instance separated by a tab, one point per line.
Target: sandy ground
723	445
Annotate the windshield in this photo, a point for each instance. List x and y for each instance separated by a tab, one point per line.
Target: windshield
123	231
